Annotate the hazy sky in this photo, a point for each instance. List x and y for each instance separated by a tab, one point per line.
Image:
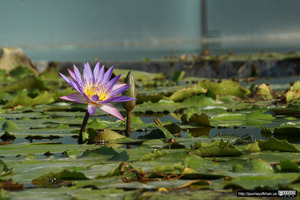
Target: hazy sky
147	24
56	21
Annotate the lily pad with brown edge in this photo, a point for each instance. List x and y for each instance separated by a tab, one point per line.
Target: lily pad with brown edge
263	91
294	92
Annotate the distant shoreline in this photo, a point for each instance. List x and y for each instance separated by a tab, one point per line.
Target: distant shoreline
209	66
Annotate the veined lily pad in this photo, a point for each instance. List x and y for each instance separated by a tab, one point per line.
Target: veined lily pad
217	148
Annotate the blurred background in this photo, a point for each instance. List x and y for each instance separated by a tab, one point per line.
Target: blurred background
77	30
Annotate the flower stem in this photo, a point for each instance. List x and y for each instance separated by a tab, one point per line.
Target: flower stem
82	129
128	123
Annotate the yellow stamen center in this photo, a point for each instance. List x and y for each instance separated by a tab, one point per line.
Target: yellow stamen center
93	90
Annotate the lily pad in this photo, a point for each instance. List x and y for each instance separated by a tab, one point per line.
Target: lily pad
275	144
217	148
253	166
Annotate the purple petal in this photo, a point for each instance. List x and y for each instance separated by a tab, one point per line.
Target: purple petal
107	75
70	82
91	108
119	90
78	75
72	74
96	71
117	86
107	100
75	97
99	76
88	74
109	108
73	84
122	99
112	82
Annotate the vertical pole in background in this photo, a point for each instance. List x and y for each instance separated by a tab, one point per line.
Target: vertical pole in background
203	25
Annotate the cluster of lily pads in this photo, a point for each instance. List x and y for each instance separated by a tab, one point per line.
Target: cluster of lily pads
171	152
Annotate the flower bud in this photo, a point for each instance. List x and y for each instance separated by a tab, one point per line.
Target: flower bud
130	92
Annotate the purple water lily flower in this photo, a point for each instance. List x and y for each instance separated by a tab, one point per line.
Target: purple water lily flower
96	89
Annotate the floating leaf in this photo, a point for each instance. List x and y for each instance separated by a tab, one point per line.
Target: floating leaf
44	98
24	83
4	170
217	148
288	166
10	126
122	168
98	124
263	91
108	134
294	92
275	144
252	166
186	92
199	100
90	135
149	97
227	87
166	132
169	168
202	119
252	147
104	152
63	175
153	155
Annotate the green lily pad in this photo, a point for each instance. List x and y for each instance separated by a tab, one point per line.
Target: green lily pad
186	92
227	87
45	98
24	83
217	148
288	166
108	134
253	166
275	144
294	92
253	147
10	126
4	170
263	91
63	175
